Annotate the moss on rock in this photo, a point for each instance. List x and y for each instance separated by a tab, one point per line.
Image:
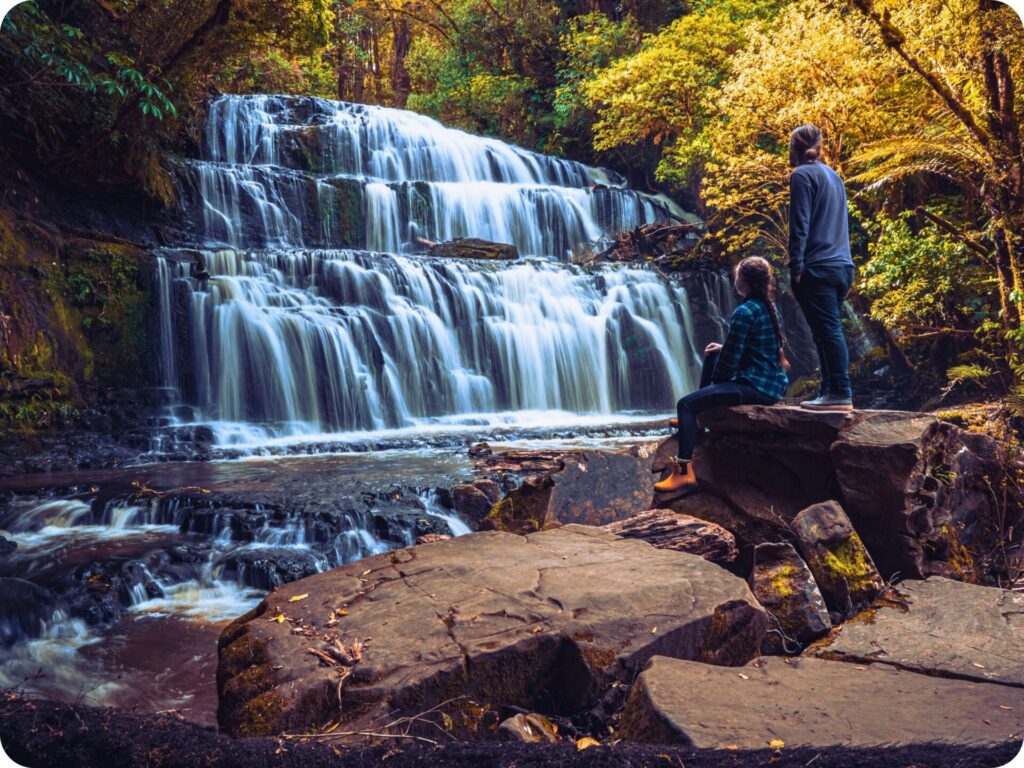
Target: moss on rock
75	314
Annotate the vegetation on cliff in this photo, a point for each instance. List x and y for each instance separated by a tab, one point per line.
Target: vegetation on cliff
74	314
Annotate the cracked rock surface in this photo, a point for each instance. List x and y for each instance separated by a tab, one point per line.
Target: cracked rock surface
546	622
940	627
812	702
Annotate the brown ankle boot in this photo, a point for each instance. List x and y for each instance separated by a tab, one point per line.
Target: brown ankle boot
681	477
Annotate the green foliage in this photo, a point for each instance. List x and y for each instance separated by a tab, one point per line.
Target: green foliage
102	88
49	68
921	278
590	43
501	88
664	94
970	372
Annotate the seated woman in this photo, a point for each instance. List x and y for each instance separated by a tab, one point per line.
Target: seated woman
749	369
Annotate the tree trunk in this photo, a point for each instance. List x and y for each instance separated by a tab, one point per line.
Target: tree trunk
401	43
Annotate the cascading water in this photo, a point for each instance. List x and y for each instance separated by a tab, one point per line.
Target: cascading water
292	334
286	171
302	312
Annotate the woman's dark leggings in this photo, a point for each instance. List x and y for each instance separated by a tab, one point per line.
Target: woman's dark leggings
711	396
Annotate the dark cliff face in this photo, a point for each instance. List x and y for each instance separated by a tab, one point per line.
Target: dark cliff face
77	330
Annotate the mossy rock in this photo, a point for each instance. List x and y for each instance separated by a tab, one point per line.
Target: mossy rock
784	585
841	564
75	313
523	510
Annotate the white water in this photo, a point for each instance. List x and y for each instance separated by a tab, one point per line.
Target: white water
288	342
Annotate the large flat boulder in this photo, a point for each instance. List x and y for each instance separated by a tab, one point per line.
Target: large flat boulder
916	489
812	702
588	487
939	627
545	622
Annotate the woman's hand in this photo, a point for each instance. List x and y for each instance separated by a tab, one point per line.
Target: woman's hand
711	348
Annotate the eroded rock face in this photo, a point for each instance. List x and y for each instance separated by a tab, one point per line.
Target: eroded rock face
585	487
939	627
842	566
545	622
783	584
808	701
915	488
666	529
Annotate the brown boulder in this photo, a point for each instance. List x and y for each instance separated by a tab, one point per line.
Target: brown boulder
841	564
811	702
918	490
665	529
914	487
545	622
471	502
588	487
939	627
783	584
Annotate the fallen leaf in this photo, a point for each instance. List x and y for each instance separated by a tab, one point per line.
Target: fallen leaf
536	630
776	744
733	747
296	598
1003	706
448	722
976	664
368	570
279	618
745	677
586	742
987	722
340	612
654	631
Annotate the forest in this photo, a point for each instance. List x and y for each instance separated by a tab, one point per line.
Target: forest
695	99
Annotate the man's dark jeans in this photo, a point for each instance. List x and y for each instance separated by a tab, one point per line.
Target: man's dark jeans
711	396
821	292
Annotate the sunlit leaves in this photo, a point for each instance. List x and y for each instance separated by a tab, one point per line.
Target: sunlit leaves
918	276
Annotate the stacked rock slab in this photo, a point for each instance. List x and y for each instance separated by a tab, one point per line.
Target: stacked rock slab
666	529
545	622
842	566
783	584
812	702
938	627
915	488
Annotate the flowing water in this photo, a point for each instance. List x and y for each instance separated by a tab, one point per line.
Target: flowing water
302	331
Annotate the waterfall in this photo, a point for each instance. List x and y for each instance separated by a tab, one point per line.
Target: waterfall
318	317
307	172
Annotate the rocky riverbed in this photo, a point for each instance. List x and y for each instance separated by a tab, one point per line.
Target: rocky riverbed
580	608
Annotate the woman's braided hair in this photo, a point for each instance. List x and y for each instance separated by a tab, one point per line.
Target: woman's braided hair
756	273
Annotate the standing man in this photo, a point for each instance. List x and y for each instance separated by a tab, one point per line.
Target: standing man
820	264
